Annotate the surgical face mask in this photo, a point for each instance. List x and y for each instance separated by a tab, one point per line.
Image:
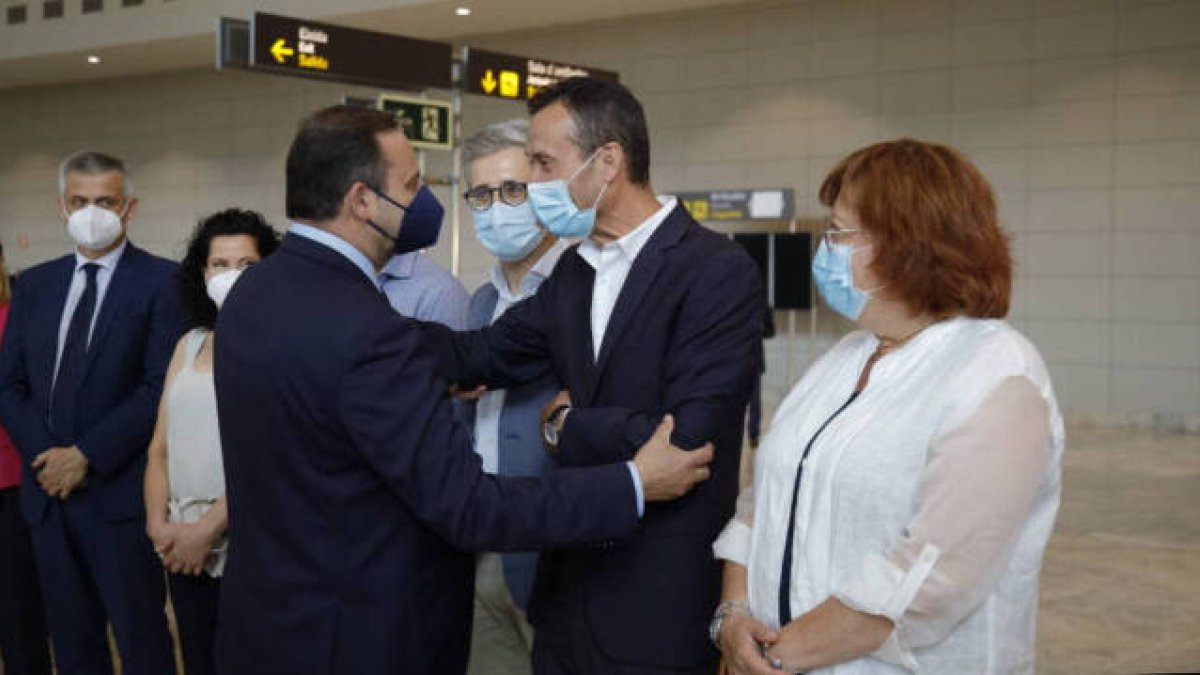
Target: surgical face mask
94	228
421	225
833	273
509	232
219	285
553	205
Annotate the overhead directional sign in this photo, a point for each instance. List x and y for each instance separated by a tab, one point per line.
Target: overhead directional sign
312	49
519	77
426	122
738	205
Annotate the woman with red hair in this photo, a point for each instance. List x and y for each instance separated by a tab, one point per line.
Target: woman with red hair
904	495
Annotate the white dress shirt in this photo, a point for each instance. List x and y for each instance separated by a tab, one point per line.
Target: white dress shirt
929	499
108	265
612	263
491	404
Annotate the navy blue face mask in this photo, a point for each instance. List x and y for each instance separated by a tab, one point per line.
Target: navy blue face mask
421	225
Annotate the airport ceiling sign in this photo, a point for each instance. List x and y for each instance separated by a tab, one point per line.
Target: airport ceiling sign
740	205
519	77
426	122
312	49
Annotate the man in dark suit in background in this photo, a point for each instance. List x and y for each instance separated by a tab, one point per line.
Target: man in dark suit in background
354	493
81	370
650	315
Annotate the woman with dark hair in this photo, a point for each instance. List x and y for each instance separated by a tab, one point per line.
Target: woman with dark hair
186	515
904	495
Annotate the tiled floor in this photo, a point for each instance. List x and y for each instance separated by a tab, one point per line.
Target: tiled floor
1121	583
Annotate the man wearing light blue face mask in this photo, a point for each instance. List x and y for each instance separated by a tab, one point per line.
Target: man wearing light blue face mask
651	314
506	421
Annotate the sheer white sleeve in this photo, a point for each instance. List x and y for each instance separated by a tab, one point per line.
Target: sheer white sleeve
978	487
734	542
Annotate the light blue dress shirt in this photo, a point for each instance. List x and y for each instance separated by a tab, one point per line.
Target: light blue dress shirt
360	259
419	288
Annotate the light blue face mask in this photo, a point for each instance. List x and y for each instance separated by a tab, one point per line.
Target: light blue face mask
833	274
509	232
554	207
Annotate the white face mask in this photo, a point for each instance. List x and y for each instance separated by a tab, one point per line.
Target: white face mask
219	286
94	228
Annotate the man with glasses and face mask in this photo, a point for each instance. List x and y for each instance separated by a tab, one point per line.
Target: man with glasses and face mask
81	370
650	315
506	421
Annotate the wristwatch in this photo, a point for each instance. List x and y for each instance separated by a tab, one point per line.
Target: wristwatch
553	425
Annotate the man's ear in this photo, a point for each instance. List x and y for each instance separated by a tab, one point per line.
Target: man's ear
131	205
612	160
361	202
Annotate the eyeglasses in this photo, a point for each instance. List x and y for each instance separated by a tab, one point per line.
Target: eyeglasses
837	235
512	192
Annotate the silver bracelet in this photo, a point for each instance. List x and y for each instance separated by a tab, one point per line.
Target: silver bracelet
723	611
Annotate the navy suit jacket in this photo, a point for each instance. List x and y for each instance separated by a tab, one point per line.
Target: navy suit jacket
683	339
520	439
136	329
354	493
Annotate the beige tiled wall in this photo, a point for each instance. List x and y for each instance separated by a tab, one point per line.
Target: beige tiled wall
1085	115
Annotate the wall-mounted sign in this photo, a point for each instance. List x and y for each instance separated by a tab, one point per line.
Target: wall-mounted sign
311	49
739	205
427	123
518	77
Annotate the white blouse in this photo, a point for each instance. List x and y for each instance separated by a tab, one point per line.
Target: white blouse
929	499
195	469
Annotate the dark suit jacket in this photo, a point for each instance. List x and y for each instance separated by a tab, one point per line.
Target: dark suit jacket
354	493
683	339
136	329
520	440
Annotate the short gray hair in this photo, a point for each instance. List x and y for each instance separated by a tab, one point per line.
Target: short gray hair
91	163
494	138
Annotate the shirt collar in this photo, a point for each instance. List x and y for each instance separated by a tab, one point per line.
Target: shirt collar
632	243
108	261
540	271
360	260
400	266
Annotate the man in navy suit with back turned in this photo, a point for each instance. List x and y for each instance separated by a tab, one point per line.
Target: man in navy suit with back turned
650	315
81	370
354	492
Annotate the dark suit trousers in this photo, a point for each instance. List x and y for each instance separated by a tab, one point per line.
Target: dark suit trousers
96	571
23	643
195	601
564	642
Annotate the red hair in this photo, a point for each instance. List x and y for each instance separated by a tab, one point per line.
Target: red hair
932	219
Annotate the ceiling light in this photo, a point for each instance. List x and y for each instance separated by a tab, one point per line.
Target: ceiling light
93	59
463	11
